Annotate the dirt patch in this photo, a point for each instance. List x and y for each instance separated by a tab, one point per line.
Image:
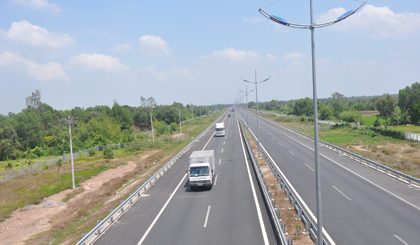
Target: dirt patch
404	157
35	219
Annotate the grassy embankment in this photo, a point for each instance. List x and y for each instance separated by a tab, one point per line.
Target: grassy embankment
402	155
33	188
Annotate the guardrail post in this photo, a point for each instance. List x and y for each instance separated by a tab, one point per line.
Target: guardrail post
277	211
289	241
287	194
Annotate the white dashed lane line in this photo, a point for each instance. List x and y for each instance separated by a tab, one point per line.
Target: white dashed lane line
401	240
207	217
292	153
309	167
341	193
220	160
280	144
222	150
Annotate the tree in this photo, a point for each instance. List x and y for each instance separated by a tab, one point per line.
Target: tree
386	107
407	99
251	104
303	107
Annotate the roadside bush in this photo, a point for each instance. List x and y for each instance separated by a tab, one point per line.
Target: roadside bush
377	123
91	152
351	116
135	145
389	132
108	153
60	162
37	151
284	119
174	127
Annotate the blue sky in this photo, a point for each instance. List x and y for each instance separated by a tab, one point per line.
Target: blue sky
87	53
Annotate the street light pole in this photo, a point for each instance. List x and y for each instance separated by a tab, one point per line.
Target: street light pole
312	27
256	92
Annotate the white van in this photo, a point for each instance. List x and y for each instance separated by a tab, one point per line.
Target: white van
220	129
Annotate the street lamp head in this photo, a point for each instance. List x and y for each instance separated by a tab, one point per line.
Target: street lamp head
245	80
266	79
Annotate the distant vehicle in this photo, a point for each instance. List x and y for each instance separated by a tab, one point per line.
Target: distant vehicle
202	169
229	115
233	109
220	129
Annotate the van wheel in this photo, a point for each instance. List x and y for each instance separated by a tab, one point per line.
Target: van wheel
192	188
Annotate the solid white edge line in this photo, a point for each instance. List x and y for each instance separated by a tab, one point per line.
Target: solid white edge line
327	236
207	216
351	171
257	205
309	167
211	137
161	211
401	240
341	193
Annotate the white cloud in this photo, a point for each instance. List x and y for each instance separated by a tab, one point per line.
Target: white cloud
154	46
379	22
232	55
25	32
295	57
41	72
99	62
122	47
271	57
42	5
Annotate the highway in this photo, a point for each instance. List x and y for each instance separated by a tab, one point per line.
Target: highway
232	212
360	205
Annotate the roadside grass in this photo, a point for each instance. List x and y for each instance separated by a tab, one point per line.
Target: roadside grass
33	188
404	128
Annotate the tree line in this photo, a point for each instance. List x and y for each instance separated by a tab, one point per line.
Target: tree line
401	108
39	129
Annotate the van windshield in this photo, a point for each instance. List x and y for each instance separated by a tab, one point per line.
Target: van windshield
199	171
220	129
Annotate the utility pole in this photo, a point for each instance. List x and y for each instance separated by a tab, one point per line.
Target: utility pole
151	121
69	121
180	126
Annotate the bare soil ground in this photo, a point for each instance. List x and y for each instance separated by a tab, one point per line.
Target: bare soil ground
34	224
288	215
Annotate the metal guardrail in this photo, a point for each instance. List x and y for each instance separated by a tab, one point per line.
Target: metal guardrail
310	226
382	168
103	225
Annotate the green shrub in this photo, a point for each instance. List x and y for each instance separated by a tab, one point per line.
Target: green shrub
377	123
351	116
174	127
91	152
108	153
389	132
284	119
37	151
60	162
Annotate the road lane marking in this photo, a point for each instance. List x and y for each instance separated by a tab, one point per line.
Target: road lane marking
207	216
161	211
401	240
351	171
211	137
341	193
222	150
309	167
215	180
273	138
280	144
224	142
257	205
292	153
220	160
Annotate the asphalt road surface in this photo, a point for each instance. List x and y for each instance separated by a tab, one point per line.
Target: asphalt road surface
232	212
360	205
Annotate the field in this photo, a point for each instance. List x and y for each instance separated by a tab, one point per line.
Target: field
81	215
